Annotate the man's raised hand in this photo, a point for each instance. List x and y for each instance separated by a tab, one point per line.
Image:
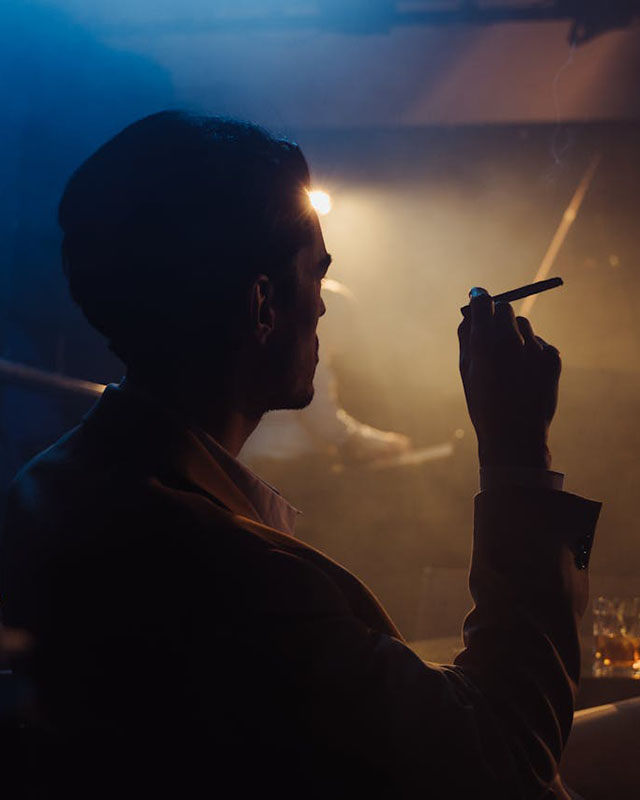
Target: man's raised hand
510	379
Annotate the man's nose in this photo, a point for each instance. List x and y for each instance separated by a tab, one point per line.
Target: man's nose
323	308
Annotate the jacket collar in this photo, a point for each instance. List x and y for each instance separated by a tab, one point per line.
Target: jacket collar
139	433
142	429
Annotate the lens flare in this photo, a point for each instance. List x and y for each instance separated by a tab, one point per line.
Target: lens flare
320	200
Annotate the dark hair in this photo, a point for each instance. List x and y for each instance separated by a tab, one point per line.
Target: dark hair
168	222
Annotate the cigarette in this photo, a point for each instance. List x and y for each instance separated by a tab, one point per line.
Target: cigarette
523	291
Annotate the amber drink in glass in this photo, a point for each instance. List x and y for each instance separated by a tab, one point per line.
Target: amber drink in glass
616	635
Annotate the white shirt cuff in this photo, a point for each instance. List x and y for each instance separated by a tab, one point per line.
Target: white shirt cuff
527	477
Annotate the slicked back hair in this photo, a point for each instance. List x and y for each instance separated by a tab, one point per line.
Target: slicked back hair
166	225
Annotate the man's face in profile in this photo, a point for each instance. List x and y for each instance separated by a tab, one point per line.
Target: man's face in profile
295	353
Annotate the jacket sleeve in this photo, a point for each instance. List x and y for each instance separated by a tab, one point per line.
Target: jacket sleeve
495	722
529	583
266	651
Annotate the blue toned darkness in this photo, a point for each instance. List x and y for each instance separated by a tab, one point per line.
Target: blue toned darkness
63	93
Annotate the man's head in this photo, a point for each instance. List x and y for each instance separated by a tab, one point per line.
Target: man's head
190	243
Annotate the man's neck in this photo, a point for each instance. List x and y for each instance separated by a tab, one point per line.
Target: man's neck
215	413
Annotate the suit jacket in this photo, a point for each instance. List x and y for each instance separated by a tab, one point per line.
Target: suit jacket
182	647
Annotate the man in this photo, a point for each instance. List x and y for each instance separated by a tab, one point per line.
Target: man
184	641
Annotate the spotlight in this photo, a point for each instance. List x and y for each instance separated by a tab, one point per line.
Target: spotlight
320	200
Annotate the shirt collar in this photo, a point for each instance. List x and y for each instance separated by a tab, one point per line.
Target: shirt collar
210	466
271	507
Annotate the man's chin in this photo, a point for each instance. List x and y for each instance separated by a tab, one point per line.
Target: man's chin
295	401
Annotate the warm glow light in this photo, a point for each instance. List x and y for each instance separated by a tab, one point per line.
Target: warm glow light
321	201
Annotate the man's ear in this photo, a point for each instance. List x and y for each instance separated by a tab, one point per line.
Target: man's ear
263	315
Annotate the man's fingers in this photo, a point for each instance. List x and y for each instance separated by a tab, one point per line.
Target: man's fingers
464	332
551	356
481	307
526	331
506	328
548	348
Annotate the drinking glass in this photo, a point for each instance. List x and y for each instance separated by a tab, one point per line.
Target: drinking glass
616	633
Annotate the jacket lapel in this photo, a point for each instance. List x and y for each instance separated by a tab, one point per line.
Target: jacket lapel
139	426
164	446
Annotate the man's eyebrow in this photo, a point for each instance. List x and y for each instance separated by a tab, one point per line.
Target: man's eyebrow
323	264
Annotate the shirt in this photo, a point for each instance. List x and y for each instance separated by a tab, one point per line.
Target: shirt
272	508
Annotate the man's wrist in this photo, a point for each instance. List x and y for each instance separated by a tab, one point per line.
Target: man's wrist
512	454
525	477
